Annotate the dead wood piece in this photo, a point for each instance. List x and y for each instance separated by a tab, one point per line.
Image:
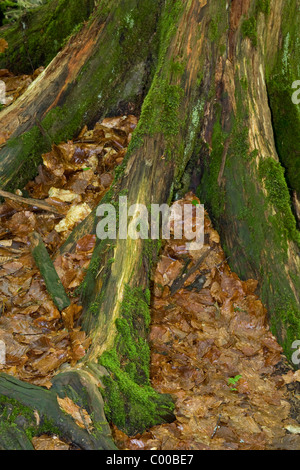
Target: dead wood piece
48	272
45	206
178	283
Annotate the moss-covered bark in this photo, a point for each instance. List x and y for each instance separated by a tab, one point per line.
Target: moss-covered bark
205	116
40	33
46	267
243	183
27	411
116	297
81	85
280	76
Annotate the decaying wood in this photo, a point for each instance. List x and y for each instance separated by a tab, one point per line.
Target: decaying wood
44	404
178	283
45	206
195	113
48	272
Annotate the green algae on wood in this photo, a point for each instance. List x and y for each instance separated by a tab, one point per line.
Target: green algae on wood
48	272
131	403
37	37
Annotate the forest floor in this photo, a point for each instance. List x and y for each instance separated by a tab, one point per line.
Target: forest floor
211	347
212	350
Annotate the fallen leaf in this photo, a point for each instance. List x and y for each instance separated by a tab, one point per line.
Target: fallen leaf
80	415
3	45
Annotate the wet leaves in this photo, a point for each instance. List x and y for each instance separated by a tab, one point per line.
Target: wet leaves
3	45
213	351
37	338
80	415
211	346
46	442
15	85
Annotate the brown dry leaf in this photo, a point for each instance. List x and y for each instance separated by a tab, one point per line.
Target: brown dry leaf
15	85
63	195
80	415
291	377
214	236
45	442
79	344
70	314
75	215
3	45
50	361
86	244
3	137
12	267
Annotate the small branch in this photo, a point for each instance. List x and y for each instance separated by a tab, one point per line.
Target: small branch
178	283
48	272
32	202
216	427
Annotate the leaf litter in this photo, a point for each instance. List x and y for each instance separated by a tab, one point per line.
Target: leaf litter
212	350
35	338
211	347
16	85
74	176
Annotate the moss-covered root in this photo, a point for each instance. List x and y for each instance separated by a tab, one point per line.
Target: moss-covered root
48	272
132	407
27	411
73	91
131	403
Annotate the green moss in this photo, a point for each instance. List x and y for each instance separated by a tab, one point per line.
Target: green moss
274	179
285	114
286	120
28	148
150	252
94	307
46	30
160	111
11	409
177	67
131	403
263	6
284	312
249	29
211	193
218	21
13	413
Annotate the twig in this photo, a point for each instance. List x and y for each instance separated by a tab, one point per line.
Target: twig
180	282
216	428
32	202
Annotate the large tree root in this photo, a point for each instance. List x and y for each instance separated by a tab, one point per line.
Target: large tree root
206	111
27	410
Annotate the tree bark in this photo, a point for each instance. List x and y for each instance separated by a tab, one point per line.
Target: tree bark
201	71
38	36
